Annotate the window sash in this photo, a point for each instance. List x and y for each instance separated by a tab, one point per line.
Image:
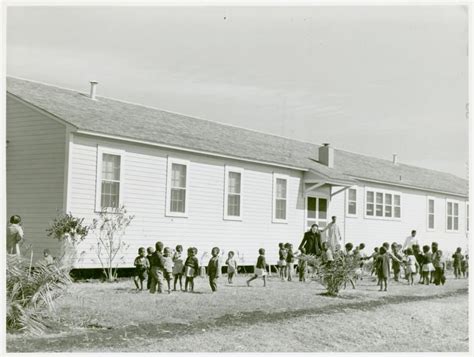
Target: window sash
431	214
108	179
280	198
177	188
381	204
452	216
352	202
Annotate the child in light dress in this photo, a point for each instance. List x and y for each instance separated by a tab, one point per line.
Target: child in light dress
290	260
427	266
231	267
178	267
260	268
167	267
282	255
412	266
465	266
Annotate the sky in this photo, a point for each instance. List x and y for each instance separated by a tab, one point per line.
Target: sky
372	80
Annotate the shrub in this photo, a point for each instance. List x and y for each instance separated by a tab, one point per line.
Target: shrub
31	292
109	230
66	225
335	275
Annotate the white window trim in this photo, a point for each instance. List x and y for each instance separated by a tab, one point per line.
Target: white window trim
347	202
98	186
168	212
428	198
467	217
287	178
383	191
227	170
446	216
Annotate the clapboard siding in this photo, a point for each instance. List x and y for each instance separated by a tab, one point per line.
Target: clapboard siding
144	191
35	172
413	216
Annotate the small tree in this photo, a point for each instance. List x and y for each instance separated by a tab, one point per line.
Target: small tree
335	275
109	230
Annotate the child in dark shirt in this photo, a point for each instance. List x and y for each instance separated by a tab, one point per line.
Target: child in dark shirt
141	268
150	251
214	268
457	263
260	268
191	269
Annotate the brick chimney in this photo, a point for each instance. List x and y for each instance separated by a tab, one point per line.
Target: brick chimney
326	155
93	89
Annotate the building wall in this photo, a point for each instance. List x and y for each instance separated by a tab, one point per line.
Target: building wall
373	232
35	172
144	192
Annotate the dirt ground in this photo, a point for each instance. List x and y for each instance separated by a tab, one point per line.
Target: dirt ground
283	317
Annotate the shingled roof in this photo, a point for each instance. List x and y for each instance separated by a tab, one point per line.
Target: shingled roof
138	122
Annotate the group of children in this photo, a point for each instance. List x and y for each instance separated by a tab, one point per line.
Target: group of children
157	264
428	262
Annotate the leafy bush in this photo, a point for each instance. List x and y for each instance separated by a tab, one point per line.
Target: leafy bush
66	225
109	230
335	275
31	292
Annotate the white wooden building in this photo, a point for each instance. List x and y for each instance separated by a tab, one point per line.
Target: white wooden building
200	183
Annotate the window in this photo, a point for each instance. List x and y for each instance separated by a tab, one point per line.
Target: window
233	193
382	204
351	202
431	214
452	216
280	198
109	176
176	204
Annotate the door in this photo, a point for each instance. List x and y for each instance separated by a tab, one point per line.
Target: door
316	212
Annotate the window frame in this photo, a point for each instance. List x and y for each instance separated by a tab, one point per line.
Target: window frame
348	200
383	192
468	222
453	202
101	150
428	199
274	198
227	171
168	212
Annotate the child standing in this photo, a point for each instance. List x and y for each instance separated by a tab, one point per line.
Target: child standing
396	263
290	260
178	267
168	267
326	256
374	256
141	268
231	267
427	267
214	268
412	266
191	269
150	251
302	265
282	254
465	266
260	268
457	263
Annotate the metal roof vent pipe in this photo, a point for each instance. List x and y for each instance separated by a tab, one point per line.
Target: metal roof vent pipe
93	89
395	159
326	155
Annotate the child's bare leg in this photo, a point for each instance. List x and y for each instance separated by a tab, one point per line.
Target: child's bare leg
252	278
385	281
264	281
353	285
175	280
135	280
186	282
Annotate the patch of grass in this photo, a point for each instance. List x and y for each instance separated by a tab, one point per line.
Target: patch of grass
285	316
